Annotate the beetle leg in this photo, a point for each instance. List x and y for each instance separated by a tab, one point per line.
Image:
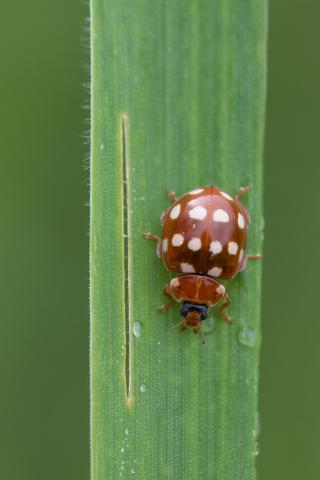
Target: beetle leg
151	236
241	192
177	325
227	303
173	197
167	293
166	306
255	256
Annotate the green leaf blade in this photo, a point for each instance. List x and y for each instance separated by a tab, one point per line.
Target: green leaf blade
191	78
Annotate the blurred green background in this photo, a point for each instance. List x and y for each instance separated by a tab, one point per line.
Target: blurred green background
44	283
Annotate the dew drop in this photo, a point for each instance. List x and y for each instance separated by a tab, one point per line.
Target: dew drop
208	325
142	388
247	337
255	433
262	226
256	450
257	424
137	329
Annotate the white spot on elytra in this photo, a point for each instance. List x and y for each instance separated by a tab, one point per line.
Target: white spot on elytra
193	202
215	247
175	282
195	192
241	221
177	240
220	216
164	244
187	268
232	248
175	212
221	290
198	213
215	271
226	195
241	256
194	244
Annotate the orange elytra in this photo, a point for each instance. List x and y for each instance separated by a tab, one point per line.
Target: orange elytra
204	235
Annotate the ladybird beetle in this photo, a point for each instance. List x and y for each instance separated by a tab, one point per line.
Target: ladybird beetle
204	235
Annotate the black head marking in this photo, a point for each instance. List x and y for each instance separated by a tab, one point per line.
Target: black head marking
194	307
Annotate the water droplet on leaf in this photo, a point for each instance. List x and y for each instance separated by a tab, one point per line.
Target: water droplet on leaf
137	329
247	337
208	325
